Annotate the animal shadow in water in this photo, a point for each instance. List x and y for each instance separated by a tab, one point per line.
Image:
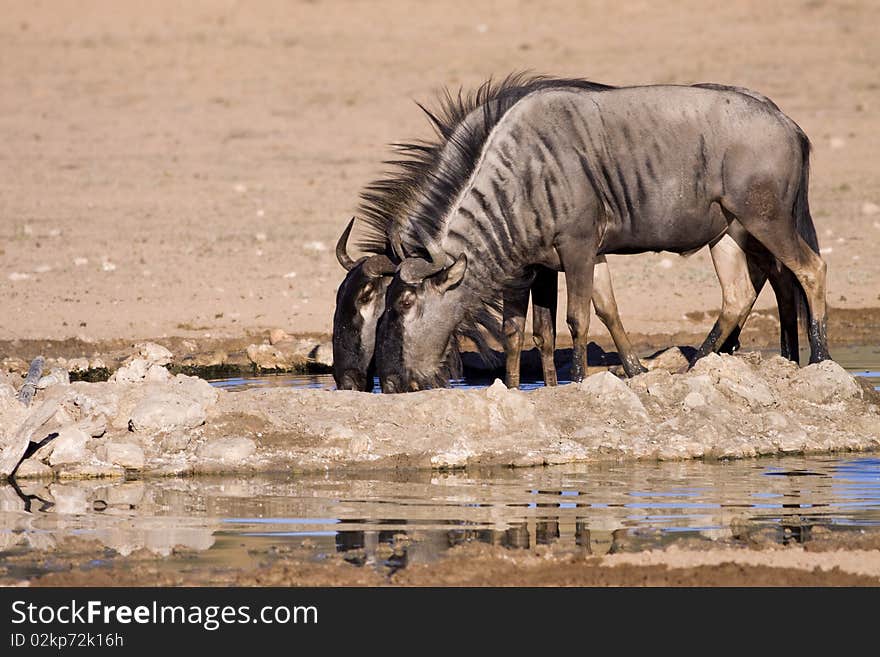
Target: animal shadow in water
476	371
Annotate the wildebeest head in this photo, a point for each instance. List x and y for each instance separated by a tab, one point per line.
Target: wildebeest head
360	301
415	347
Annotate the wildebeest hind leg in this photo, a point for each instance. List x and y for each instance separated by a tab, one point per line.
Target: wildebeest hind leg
785	286
810	270
770	222
606	310
544	299
516	304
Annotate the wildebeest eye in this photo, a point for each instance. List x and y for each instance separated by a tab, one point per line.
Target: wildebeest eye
366	295
407	299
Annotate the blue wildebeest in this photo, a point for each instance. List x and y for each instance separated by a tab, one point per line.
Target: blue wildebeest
558	177
360	298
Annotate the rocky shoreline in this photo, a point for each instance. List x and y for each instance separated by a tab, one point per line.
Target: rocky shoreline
145	421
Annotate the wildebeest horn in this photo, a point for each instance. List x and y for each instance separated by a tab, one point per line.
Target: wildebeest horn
342	248
415	270
379	265
397	247
438	257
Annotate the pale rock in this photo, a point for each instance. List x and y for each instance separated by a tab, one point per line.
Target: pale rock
777	367
234	449
196	389
658	385
18	426
456	457
140	369
508	410
12	366
497	390
694	400
824	382
127	455
69	446
166	411
206	359
158	374
95	425
775	421
175	441
607	389
56	376
700	383
671	360
154	353
134	370
91	470
736	376
361	445
277	335
323	354
101	400
755	393
33	469
78	365
281	356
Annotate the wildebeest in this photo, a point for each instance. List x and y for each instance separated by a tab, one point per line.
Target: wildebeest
360	298
360	301
557	177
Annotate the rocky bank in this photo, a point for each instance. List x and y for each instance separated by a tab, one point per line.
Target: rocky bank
144	421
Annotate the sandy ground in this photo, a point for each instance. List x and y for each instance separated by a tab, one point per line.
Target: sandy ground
184	170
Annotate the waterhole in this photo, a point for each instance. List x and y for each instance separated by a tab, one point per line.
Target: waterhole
863	361
393	519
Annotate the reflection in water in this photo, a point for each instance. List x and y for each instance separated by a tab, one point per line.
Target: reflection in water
391	520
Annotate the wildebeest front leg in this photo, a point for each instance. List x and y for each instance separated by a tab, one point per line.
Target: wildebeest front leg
516	304
578	266
544	299
606	310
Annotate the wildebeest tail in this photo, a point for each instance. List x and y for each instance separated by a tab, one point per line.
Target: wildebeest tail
804	221
802	217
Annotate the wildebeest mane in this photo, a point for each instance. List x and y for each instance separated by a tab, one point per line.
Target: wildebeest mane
413	197
427	174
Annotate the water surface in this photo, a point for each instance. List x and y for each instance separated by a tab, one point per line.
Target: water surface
863	361
389	519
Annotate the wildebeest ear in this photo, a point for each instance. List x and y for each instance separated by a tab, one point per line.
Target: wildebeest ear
452	275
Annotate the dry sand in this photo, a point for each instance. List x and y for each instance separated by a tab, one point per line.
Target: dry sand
184	170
